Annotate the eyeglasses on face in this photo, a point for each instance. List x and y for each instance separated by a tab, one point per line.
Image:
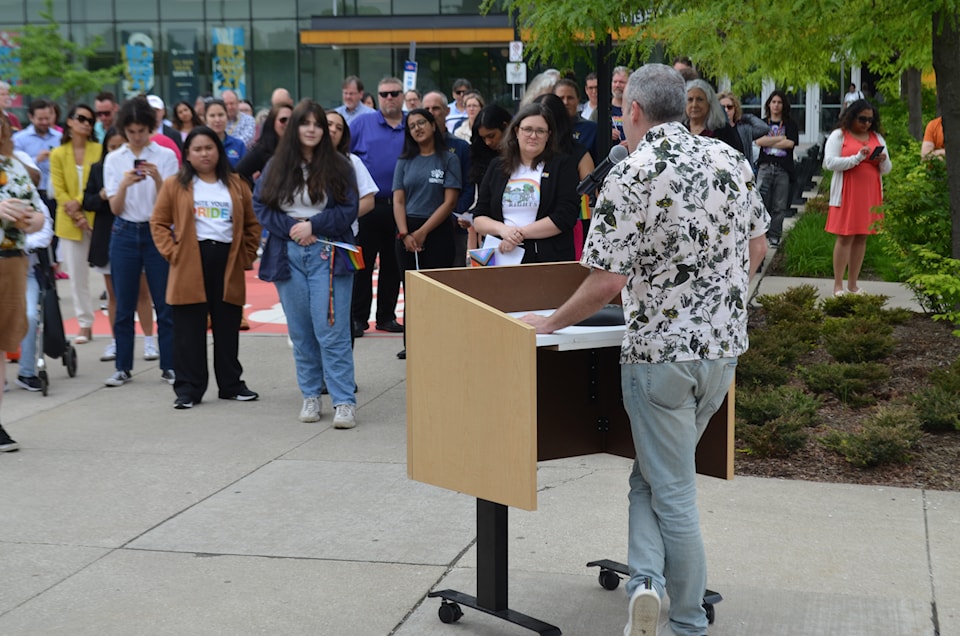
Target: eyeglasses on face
104	113
385	94
283	120
83	119
417	125
865	120
728	106
534	132
459	92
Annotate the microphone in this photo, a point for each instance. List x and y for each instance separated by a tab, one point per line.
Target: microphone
593	180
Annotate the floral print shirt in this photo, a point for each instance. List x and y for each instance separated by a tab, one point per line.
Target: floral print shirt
676	218
15	183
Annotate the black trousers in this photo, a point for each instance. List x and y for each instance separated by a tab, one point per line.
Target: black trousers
190	333
377	235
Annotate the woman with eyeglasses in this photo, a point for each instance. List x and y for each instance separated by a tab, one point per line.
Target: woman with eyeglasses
856	153
473	102
69	171
528	197
748	127
426	184
252	163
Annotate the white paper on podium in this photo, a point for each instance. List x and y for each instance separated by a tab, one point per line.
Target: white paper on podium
513	257
573	337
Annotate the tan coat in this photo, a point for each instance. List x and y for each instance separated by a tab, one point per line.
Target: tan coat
174	209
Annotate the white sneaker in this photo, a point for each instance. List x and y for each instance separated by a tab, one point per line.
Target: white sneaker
311	410
150	350
345	416
118	379
110	353
643	613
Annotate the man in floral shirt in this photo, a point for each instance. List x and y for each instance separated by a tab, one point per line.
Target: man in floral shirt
678	229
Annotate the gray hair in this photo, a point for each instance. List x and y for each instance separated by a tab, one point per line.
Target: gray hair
442	95
659	91
621	70
716	118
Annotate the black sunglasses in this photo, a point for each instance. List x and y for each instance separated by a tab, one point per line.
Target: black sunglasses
865	120
390	93
85	120
283	120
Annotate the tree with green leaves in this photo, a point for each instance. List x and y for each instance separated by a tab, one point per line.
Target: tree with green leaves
53	67
750	40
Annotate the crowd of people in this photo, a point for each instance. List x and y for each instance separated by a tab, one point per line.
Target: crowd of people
173	212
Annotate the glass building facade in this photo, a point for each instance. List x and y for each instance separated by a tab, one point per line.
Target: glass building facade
179	49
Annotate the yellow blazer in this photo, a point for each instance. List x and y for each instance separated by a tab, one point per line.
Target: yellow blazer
63	177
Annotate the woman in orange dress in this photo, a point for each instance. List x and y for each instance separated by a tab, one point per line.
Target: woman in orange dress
856	153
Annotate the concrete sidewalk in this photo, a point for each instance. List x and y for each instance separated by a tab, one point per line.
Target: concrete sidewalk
124	516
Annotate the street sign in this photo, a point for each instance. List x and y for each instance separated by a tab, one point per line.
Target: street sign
409	75
516	51
516	73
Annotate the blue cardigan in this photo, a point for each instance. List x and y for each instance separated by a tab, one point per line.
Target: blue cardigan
333	222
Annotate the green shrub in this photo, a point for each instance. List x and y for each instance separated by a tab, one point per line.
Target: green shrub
850	383
784	345
886	437
762	406
857	339
756	369
937	409
937	286
864	305
947	379
780	437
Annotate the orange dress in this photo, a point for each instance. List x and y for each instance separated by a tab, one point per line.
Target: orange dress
861	193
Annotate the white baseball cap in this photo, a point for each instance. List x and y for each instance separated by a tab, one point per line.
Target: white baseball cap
155	102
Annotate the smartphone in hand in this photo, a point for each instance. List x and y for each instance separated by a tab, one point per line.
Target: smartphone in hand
876	153
136	166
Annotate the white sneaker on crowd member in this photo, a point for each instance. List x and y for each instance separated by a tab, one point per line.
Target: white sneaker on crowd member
110	352
345	416
643	613
311	410
150	348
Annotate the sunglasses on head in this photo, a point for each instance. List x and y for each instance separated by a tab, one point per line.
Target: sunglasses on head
390	93
83	119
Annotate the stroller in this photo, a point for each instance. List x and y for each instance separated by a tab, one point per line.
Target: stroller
51	338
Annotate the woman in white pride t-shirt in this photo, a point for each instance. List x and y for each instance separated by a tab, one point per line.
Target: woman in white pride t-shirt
203	224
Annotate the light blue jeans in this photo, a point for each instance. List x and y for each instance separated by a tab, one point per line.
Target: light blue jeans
321	351
669	405
28	347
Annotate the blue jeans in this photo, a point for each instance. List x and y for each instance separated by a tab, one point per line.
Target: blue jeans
669	405
773	182
321	351
132	251
28	347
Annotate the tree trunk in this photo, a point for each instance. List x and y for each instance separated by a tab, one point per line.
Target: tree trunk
910	82
946	63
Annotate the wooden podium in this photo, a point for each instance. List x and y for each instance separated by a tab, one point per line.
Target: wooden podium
485	403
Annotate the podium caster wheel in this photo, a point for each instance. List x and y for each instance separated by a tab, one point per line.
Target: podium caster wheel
44	382
449	612
711	613
609	579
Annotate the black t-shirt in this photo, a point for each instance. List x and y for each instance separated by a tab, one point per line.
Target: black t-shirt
783	158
